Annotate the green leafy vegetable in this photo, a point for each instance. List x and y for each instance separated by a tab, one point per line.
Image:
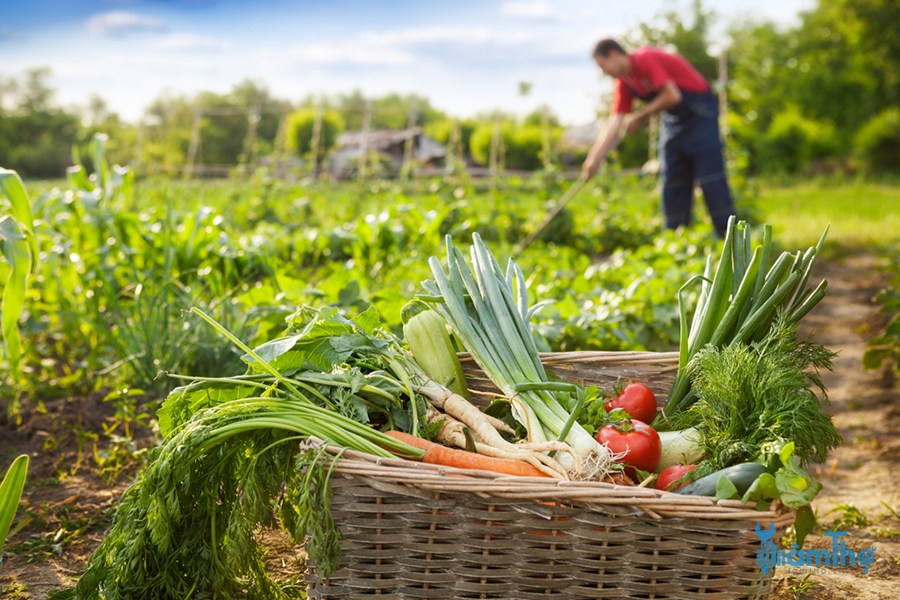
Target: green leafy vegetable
758	394
738	303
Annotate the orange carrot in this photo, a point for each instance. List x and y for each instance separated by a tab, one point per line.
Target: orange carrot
416	442
450	457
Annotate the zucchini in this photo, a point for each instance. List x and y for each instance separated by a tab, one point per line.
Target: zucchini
742	476
426	335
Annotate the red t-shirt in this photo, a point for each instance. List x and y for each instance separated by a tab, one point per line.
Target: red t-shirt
650	69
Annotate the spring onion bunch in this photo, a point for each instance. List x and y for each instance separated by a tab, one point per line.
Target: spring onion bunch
739	302
489	312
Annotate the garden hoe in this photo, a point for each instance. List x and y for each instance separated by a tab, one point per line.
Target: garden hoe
553	212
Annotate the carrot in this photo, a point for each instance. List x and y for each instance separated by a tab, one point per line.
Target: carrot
450	457
416	442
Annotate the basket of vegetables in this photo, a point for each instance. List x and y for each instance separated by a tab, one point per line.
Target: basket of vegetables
411	471
595	519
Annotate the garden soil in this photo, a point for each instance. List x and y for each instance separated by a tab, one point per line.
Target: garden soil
70	499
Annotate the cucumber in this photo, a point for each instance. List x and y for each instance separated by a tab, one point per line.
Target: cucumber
427	338
742	476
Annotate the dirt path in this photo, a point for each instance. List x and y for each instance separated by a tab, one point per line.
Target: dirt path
70	512
864	473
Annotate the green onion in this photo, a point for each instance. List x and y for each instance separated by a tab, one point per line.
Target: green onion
488	310
741	302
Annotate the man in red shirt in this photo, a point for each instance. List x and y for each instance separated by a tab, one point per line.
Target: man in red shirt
690	147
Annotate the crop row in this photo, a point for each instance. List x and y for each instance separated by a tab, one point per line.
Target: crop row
122	261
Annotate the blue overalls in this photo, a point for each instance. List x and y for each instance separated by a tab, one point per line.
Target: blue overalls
690	149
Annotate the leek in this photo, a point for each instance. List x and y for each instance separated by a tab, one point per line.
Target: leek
488	310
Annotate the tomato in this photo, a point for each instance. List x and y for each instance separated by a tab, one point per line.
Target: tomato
671	475
637	400
636	441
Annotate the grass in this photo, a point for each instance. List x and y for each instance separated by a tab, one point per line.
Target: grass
861	213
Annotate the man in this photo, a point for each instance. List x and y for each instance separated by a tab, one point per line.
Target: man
689	145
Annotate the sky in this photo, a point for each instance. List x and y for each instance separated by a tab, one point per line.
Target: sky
467	57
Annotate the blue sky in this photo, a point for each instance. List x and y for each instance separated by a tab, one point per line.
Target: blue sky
465	56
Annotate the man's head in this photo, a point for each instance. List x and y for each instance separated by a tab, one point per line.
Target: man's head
611	58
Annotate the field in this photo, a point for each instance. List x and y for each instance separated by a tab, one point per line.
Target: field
106	315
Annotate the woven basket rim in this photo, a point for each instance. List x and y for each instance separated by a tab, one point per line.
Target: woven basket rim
657	504
667	360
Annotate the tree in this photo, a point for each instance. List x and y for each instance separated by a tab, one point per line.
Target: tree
300	126
222	136
842	64
391	111
36	137
691	42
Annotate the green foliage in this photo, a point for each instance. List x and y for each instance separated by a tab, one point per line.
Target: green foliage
223	137
124	260
10	493
481	140
691	42
634	150
522	145
524	148
442	131
792	141
759	394
885	347
300	127
20	249
838	66
391	111
878	142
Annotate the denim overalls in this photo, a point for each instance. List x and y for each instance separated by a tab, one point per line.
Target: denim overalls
690	149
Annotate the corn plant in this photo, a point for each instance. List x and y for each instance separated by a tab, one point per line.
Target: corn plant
10	493
20	249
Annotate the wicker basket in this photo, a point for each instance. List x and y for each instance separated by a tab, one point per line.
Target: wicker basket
413	530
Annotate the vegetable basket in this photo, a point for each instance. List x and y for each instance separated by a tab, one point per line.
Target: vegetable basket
414	530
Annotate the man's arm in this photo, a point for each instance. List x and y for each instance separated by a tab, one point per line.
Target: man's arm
606	143
669	95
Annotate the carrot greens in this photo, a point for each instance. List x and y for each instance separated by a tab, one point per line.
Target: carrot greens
232	461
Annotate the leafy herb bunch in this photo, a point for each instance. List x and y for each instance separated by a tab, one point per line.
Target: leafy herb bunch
757	397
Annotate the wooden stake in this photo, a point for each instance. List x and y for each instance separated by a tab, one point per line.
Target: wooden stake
723	95
545	138
410	141
248	159
139	143
452	147
316	140
495	145
195	142
364	141
280	141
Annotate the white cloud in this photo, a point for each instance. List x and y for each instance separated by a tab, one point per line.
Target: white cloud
119	22
392	48
458	35
191	41
347	53
532	11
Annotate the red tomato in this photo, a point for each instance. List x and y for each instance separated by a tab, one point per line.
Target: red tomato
636	440
637	400
672	474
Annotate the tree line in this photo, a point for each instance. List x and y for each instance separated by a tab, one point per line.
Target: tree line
823	96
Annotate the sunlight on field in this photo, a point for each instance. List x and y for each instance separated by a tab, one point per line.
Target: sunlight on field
859	213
